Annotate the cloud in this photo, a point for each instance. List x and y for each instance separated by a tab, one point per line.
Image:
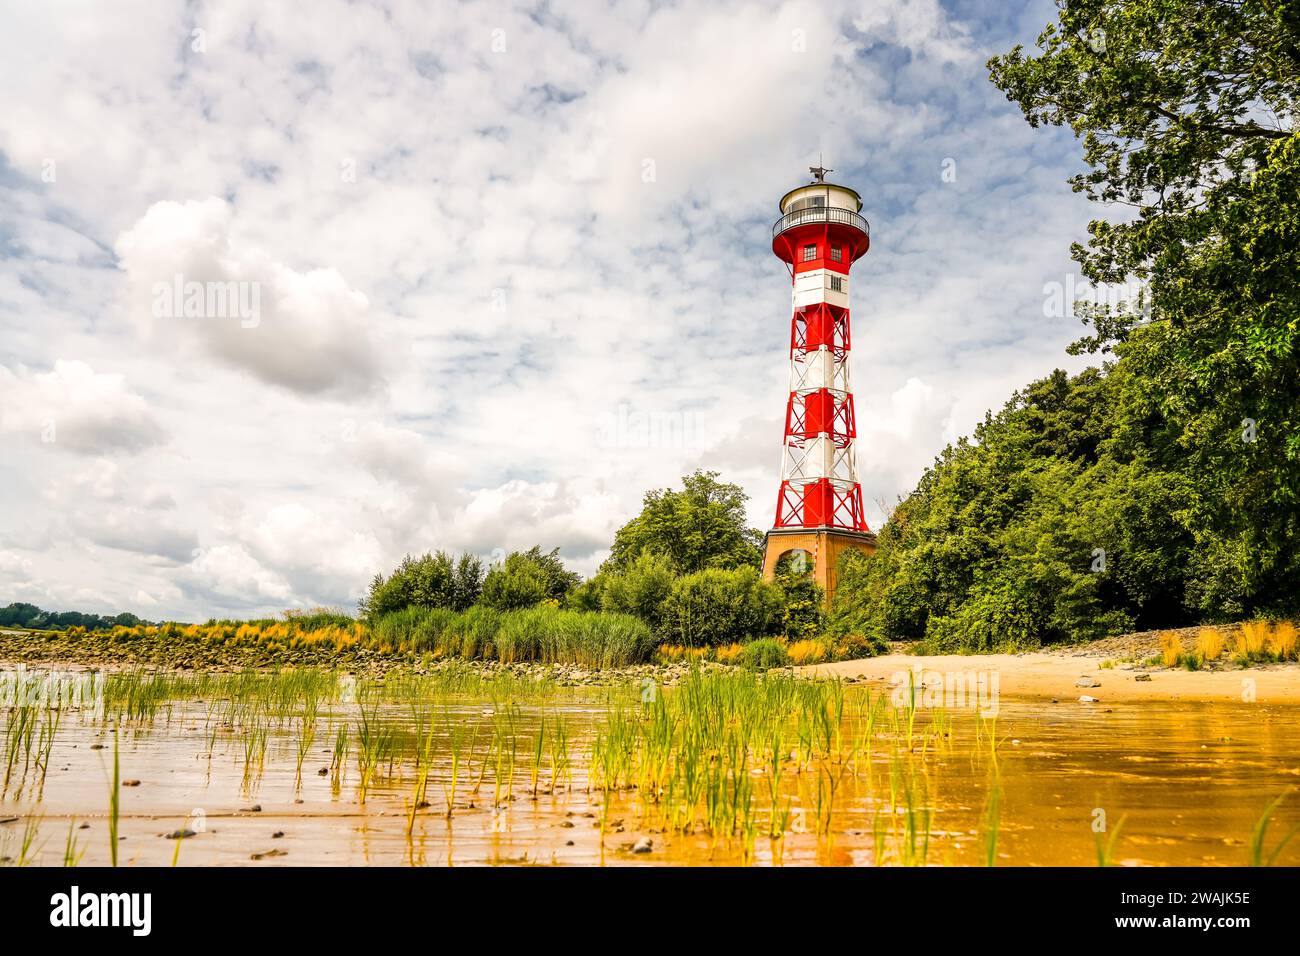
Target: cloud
14	567
305	331
74	408
465	268
228	577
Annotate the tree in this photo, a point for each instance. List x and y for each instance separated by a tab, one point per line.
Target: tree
527	578
434	580
1052	525
701	526
1187	110
801	600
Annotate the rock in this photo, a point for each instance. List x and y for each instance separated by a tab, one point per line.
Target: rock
277	834
182	834
1087	682
323	772
1085	699
643	845
268	853
130	783
255	808
1142	677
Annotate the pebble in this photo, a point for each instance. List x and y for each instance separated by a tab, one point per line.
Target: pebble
1087	682
1085	699
182	834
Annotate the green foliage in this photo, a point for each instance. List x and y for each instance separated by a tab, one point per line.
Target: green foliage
527	578
802	601
764	654
1187	113
641	589
546	634
434	580
318	618
702	526
718	607
1161	489
22	615
1053	525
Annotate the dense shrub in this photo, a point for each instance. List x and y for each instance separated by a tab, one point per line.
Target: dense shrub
527	578
764	654
802	601
718	607
640	590
434	580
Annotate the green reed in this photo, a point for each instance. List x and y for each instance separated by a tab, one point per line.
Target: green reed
114	801
1260	832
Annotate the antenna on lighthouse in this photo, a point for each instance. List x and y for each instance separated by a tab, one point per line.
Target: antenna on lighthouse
819	171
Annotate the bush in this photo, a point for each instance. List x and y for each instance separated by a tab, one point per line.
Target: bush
718	607
434	580
527	578
640	590
764	654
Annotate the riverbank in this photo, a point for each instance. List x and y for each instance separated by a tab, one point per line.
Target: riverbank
61	650
1070	674
1112	670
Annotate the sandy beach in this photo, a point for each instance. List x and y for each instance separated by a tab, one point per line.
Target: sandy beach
1058	676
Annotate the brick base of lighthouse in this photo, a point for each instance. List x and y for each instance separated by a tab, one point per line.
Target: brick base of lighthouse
824	547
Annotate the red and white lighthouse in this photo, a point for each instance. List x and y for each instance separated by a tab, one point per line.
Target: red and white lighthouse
819	509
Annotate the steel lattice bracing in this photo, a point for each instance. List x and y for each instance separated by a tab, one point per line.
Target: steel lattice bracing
819	237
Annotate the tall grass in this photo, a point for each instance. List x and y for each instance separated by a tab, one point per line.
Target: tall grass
1260	833
1171	648
546	634
1209	644
1282	640
1251	639
114	801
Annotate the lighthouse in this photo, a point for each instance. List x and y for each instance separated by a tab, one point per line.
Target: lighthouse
819	513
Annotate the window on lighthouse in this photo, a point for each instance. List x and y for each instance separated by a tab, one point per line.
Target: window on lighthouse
809	253
837	254
837	284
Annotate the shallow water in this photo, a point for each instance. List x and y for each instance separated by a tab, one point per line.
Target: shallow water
1188	781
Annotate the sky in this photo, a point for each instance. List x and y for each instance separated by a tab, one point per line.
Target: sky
497	271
